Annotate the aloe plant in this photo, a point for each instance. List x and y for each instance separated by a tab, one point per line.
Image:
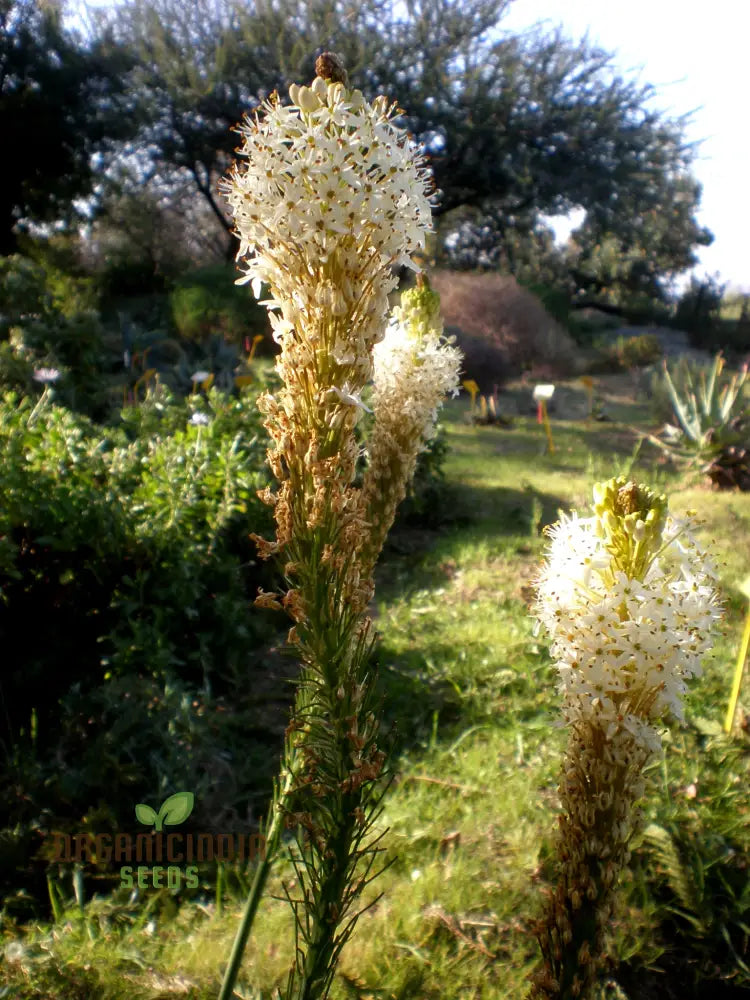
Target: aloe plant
712	414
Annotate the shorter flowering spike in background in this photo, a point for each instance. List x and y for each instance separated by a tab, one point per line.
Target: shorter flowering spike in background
627	631
416	367
739	670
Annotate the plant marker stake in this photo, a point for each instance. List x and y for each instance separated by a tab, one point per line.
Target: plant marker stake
740	668
547	428
472	388
256	340
588	382
542	394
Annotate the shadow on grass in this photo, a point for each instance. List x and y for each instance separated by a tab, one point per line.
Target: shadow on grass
473	513
425	704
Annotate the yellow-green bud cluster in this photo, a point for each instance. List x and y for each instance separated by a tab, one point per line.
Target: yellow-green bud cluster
627	628
631	519
419	313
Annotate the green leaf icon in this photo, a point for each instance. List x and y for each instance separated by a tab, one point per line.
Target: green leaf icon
145	814
175	809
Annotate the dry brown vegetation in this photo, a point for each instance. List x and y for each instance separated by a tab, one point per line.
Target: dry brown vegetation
502	328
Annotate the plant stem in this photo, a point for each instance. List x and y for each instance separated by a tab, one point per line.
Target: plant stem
320	960
273	837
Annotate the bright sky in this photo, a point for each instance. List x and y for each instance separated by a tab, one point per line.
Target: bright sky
696	55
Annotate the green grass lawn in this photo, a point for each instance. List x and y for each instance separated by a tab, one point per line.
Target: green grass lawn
470	697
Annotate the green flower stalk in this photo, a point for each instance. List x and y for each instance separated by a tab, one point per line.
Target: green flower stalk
332	196
627	632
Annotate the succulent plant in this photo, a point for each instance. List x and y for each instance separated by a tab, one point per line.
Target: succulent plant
712	413
714	419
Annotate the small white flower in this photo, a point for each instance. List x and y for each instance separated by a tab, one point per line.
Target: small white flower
199	376
14	952
46	375
353	398
199	419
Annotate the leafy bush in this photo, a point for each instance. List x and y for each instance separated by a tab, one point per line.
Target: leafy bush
624	354
638	352
429	502
125	563
693	860
47	320
207	302
131	277
698	310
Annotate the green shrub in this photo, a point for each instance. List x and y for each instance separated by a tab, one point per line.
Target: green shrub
125	563
693	861
624	354
126	277
429	502
638	352
698	311
208	302
47	320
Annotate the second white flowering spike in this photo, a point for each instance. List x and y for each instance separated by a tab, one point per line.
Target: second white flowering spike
627	631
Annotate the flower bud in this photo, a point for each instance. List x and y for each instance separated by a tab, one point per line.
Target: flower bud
320	88
307	100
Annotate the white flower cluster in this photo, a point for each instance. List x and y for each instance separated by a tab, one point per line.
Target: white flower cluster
624	646
414	368
333	196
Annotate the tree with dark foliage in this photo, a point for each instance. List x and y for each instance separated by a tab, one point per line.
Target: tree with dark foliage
515	126
59	105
